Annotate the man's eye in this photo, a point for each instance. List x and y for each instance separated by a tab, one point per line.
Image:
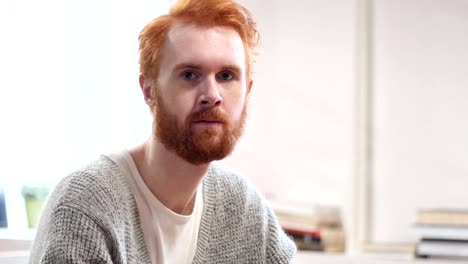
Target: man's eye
225	76
189	75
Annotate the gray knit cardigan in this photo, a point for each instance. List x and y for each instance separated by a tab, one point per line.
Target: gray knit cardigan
92	217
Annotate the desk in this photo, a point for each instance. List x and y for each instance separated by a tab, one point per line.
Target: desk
306	257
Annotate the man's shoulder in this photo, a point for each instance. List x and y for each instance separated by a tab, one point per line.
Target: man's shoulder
239	218
92	213
98	183
226	176
230	185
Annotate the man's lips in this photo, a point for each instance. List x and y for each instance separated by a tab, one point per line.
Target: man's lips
208	121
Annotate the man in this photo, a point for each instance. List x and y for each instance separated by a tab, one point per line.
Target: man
165	201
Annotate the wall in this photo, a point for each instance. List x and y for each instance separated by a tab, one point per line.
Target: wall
298	141
68	88
420	103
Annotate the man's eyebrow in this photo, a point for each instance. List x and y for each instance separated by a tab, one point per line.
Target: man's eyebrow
233	68
181	66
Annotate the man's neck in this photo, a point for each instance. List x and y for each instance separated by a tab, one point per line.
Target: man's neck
170	178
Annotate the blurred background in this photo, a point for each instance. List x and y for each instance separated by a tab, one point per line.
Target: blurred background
69	92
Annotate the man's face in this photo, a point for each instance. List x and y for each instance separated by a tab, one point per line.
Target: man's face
201	92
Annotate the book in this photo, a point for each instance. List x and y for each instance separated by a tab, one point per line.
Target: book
443	232
333	239
330	239
306	240
313	227
306	213
442	217
442	248
314	233
308	245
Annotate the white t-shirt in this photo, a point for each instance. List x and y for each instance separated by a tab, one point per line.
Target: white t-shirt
170	237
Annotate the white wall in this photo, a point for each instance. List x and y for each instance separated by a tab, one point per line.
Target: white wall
298	141
421	109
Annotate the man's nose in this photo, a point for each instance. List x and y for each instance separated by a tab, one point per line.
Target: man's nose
210	95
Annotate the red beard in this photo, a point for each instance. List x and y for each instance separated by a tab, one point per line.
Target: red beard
210	144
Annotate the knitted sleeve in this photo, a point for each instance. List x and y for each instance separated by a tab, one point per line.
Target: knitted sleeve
71	236
91	217
280	248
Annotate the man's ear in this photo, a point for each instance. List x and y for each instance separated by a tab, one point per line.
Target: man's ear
249	86
145	86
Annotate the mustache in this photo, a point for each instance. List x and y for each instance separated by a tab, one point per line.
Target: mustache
213	114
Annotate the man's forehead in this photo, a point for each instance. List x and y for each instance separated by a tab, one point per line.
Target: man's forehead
180	30
187	43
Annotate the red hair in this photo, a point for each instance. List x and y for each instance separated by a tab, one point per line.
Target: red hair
210	13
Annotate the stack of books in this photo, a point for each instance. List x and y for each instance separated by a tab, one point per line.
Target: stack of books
312	227
442	233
